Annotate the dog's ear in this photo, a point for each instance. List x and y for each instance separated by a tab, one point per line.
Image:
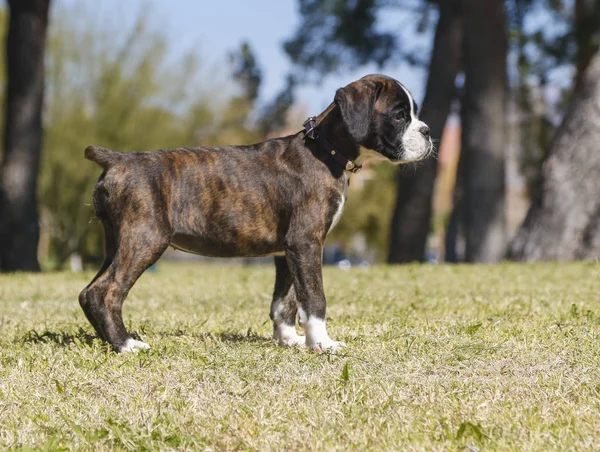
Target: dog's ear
357	103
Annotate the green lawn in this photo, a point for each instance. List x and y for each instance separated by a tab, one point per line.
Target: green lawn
438	357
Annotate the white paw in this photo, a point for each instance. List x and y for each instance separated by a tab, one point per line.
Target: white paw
292	341
327	346
286	335
317	337
131	345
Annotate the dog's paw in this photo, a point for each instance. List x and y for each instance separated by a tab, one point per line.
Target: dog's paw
286	336
317	337
327	346
131	345
292	341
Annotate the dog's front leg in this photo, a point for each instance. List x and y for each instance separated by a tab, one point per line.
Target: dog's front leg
283	307
305	263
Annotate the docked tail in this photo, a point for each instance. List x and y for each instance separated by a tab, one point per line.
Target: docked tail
103	157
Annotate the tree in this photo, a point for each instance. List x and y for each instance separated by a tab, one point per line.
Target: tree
335	34
273	115
481	166
247	75
587	35
412	212
563	222
19	228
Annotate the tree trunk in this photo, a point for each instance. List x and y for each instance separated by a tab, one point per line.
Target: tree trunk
563	222
484	128
19	225
587	33
412	213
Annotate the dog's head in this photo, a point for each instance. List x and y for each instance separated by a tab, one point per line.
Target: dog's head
381	115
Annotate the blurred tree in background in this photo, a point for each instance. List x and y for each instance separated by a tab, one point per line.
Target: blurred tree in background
563	222
19	221
235	124
540	49
481	175
410	226
474	41
273	116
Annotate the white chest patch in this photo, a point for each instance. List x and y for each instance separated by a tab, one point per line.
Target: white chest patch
340	209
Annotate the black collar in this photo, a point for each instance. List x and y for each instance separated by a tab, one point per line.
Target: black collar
309	131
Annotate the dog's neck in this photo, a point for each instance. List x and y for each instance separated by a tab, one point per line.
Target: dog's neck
331	125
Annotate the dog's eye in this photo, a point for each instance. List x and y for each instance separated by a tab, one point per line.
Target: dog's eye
401	115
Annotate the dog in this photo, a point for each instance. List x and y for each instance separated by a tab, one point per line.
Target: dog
280	198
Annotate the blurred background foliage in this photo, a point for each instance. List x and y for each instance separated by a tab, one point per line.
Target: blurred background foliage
122	89
115	88
119	84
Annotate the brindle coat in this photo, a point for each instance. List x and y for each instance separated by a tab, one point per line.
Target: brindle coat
276	197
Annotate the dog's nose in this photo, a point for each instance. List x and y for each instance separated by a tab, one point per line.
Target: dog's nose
425	131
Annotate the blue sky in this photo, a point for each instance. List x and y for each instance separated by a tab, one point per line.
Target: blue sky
214	28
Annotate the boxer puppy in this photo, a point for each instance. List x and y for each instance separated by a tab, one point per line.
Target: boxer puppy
280	197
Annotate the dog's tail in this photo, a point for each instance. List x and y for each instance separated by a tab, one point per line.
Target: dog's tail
103	157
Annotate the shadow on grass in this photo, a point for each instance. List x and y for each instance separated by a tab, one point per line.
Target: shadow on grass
250	336
61	338
224	336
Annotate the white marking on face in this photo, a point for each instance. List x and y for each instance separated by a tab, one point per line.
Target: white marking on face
317	337
131	345
340	209
416	145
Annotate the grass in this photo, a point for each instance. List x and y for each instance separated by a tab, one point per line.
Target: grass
438	357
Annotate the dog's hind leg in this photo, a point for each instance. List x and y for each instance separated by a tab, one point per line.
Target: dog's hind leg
140	246
110	248
283	306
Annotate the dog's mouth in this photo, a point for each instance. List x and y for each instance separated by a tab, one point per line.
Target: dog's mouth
404	156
